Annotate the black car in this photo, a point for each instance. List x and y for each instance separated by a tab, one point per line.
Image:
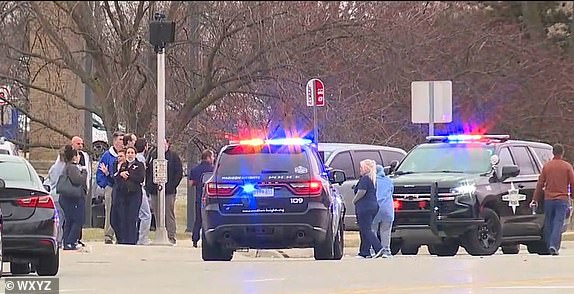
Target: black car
30	220
272	194
483	186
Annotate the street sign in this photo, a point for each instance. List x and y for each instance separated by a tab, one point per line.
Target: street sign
160	171
431	102
315	93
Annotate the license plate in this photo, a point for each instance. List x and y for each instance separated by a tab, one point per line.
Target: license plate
264	192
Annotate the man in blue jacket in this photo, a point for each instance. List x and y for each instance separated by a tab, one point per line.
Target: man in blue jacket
105	180
383	222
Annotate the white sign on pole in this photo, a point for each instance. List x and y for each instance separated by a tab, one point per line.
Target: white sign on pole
422	93
310	93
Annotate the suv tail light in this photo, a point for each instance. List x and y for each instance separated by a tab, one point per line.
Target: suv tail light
219	189
312	187
397	204
37	201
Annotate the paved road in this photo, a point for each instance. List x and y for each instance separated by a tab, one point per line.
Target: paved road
129	269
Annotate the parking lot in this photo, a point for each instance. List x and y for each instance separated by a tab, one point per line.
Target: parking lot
104	268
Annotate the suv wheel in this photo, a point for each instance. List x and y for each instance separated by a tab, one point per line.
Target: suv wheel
511	249
339	245
486	238
395	246
409	249
20	268
325	250
49	265
214	251
444	249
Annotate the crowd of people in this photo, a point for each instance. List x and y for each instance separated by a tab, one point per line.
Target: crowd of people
125	174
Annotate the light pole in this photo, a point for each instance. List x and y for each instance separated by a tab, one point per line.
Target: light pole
161	34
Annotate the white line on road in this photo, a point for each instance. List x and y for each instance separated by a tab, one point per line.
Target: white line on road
534	287
264	280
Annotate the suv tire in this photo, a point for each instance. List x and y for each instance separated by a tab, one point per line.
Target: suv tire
339	245
48	265
395	246
511	249
484	239
444	249
410	249
20	268
214	251
325	250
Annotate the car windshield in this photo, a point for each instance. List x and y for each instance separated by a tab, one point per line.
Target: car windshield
14	171
454	158
269	160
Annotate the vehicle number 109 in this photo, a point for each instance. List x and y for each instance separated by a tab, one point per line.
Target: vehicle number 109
297	200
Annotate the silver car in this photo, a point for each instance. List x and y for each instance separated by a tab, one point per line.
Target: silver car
346	157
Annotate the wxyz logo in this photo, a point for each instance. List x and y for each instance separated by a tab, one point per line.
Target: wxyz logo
31	286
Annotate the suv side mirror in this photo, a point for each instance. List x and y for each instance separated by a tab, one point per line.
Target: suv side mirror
205	177
337	176
509	171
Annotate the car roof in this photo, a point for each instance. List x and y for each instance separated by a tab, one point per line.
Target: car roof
512	142
34	184
11	158
353	146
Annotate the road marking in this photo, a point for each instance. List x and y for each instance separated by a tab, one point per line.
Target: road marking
264	280
534	287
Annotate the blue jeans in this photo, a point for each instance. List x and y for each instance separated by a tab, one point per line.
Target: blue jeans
74	219
554	214
365	216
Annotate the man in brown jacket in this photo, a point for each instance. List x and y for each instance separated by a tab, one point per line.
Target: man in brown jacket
554	184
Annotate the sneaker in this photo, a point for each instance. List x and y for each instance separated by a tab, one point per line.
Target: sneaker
108	241
387	255
379	253
81	243
363	257
553	251
172	241
194	244
70	247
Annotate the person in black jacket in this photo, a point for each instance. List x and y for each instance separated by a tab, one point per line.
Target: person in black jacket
128	190
73	205
174	176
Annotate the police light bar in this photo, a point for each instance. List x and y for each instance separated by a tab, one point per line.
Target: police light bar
278	141
467	138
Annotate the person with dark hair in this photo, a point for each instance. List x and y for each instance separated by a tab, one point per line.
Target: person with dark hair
554	184
145	212
130	140
105	180
128	184
73	205
174	176
194	180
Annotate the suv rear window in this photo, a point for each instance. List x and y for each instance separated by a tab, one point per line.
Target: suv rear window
269	160
14	171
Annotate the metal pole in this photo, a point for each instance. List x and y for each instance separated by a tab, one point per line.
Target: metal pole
88	139
431	109
315	131
161	232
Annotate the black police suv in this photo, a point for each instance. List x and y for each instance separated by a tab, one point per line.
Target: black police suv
483	186
272	194
30	220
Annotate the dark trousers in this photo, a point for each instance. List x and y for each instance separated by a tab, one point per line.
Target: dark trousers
365	216
74	211
197	224
554	214
127	217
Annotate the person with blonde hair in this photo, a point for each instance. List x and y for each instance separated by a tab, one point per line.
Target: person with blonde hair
366	208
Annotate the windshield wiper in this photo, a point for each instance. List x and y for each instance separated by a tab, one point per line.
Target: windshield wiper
270	171
448	171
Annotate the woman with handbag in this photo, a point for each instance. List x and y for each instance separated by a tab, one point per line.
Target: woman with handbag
128	185
72	189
